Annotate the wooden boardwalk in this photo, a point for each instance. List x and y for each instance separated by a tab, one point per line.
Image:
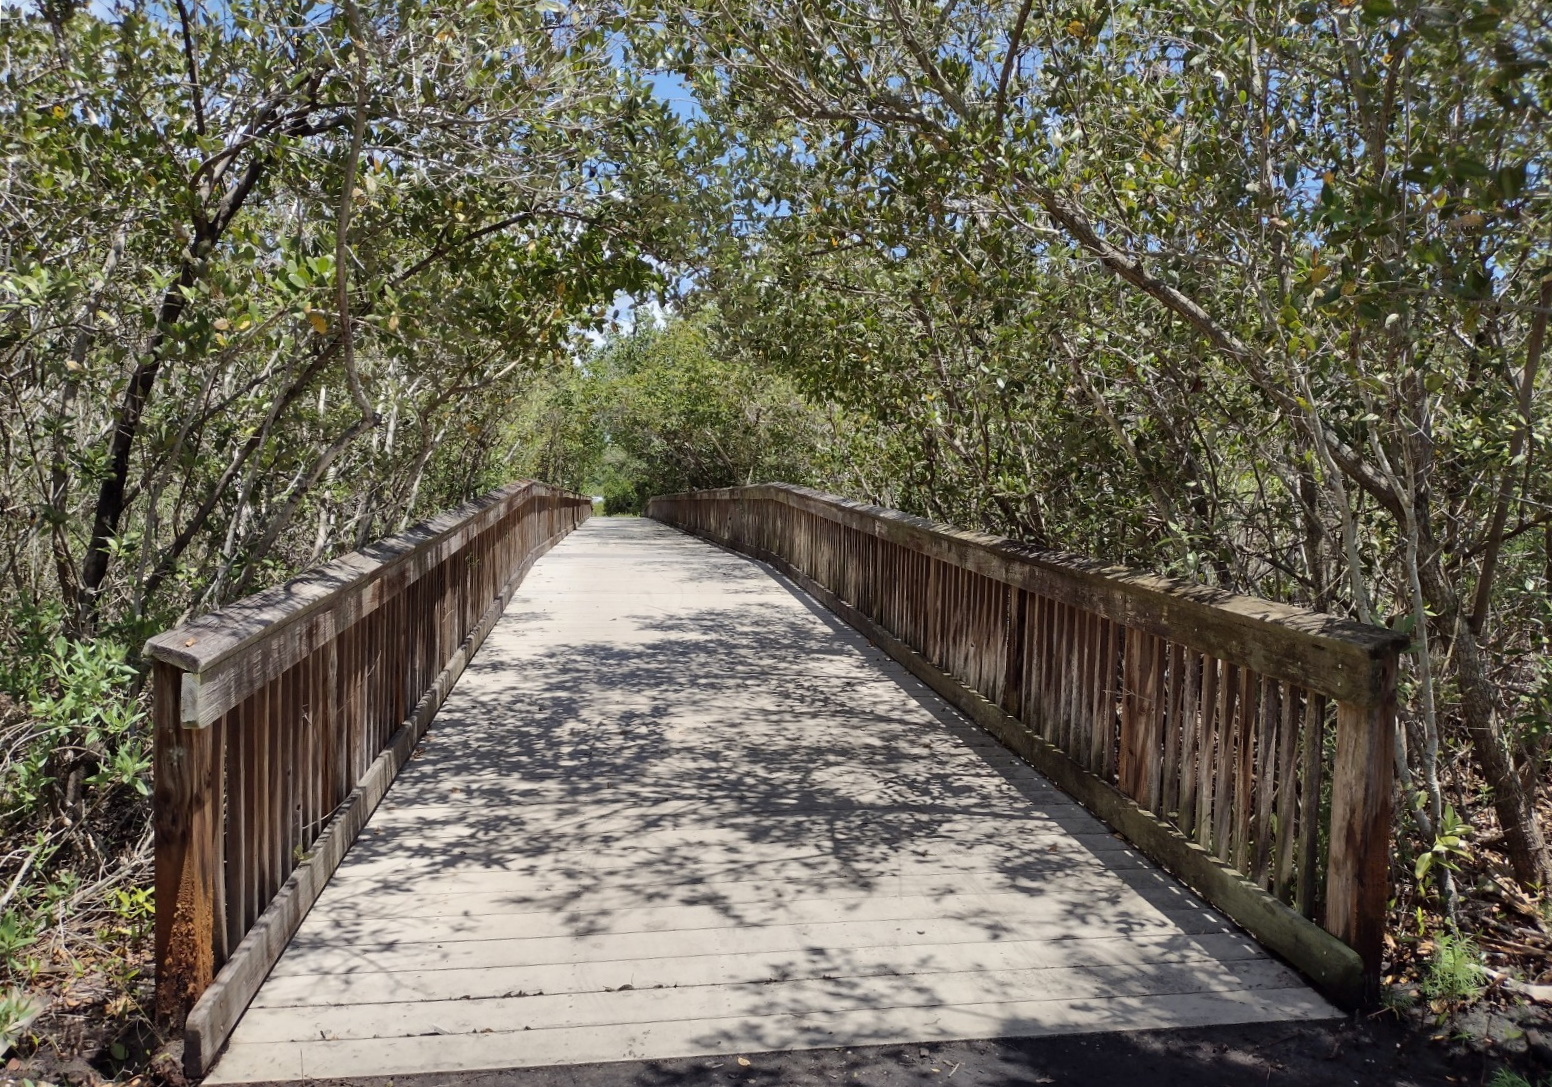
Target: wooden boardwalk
673	807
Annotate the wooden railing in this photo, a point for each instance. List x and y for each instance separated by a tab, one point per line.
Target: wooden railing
1245	745
281	720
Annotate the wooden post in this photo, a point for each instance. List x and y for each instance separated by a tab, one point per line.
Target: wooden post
188	827
1357	885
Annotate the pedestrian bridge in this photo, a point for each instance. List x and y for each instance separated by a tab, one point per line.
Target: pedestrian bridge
684	802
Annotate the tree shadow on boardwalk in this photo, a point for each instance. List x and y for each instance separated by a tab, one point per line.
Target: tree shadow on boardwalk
728	811
717	754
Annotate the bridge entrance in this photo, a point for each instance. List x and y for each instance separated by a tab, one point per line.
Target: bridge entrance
675	807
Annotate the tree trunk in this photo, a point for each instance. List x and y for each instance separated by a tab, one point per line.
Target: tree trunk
1514	806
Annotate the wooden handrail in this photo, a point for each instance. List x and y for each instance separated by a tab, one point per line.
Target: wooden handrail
281	720
1195	721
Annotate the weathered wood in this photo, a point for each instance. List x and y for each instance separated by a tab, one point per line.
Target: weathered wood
1308	849
230	653
1266	780
1356	867
225	997
256	752
1325	653
1228	749
1178	695
1287	796
1190	739
1245	768
186	805
1013	655
1169	788
871	854
1326	960
1207	749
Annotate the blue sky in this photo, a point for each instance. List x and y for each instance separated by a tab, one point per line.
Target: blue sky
669	87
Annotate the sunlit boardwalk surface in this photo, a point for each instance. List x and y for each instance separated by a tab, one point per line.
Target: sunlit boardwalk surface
676	808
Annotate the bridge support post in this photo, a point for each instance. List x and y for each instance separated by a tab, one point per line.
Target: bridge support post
1357	869
188	827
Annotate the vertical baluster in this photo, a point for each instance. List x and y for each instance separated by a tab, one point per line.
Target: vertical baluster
289	761
275	718
1266	779
1099	636
1061	644
1169	794
1223	783
1013	654
1244	764
255	768
1208	754
1080	679
1072	684
1287	794
1190	737
1045	654
237	827
1313	757
312	756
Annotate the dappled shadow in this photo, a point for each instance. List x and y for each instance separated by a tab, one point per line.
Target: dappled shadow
1363	1052
670	777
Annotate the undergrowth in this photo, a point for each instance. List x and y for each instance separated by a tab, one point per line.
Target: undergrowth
76	909
1455	973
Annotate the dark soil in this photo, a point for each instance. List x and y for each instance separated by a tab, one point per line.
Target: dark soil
1368	1052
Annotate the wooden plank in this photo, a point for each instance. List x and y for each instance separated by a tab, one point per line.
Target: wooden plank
1114	953
228	654
818	997
186	813
1287	795
651	933
779	941
628	905
1357	868
221	1000
1312	757
778	1031
1340	658
1334	966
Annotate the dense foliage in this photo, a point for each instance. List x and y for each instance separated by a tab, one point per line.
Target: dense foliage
655	411
1254	293
271	278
